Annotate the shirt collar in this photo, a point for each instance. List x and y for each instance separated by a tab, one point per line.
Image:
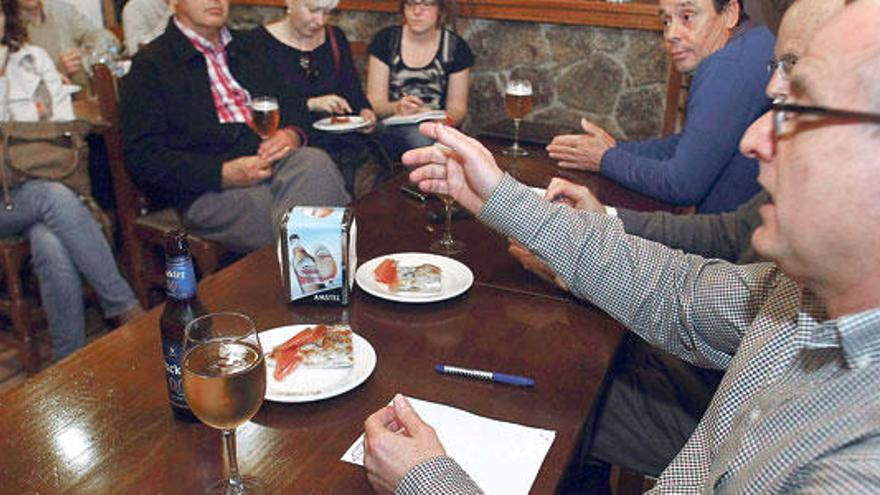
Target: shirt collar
857	335
200	42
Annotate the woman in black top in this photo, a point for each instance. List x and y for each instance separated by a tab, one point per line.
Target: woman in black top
417	67
317	59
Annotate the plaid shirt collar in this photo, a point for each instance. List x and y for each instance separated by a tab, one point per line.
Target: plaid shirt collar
200	42
856	335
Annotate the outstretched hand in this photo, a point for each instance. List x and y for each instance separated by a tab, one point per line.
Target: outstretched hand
574	195
581	151
462	167
396	440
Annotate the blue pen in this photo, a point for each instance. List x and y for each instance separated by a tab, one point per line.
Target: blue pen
519	381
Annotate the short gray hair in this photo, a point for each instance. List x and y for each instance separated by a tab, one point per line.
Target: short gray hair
324	4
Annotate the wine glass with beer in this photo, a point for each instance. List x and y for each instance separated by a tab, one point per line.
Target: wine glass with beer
518	102
265	116
224	381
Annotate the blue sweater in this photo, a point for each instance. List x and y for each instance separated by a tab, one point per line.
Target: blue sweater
702	165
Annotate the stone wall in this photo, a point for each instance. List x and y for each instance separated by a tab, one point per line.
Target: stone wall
615	77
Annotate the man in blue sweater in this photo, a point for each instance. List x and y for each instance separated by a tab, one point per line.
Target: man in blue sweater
702	165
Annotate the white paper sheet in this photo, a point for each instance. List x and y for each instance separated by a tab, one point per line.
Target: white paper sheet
415	118
502	457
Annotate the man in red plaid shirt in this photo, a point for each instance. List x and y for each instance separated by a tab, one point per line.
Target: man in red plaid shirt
188	142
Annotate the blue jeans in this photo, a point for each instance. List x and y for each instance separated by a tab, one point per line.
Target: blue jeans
66	241
398	139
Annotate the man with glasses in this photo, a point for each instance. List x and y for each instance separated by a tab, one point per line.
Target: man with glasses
798	409
650	398
701	165
185	119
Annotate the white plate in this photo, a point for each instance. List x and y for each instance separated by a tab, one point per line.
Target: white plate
307	384
354	122
455	278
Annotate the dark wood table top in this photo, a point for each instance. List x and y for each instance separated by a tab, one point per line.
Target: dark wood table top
98	422
486	251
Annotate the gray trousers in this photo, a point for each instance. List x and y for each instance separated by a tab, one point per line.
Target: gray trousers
247	218
648	406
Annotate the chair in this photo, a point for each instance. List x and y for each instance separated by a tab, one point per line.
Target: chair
22	310
676	101
142	229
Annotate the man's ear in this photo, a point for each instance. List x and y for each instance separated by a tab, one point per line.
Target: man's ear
730	14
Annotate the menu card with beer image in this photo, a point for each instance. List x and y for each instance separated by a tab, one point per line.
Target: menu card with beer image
317	253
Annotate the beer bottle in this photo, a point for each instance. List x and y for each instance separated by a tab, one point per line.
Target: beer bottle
181	306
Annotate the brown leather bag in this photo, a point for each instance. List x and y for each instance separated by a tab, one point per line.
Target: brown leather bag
55	151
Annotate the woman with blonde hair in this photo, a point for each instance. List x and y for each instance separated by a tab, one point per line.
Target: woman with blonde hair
316	58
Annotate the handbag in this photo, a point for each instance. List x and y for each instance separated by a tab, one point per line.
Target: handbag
55	151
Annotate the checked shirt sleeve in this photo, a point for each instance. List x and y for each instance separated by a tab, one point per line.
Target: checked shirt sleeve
696	308
438	475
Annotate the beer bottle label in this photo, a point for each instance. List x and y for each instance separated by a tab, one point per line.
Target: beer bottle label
180	278
173	367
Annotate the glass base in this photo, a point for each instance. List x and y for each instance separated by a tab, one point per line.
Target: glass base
244	485
515	150
447	247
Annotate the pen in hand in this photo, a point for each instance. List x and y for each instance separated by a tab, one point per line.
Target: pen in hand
413	193
519	381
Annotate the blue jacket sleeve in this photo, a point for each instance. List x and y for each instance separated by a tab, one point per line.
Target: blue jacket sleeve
719	112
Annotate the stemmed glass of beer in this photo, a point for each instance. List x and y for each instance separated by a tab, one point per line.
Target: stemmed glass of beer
224	381
446	244
265	116
518	102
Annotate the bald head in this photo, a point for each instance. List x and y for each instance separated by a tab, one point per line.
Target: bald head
801	21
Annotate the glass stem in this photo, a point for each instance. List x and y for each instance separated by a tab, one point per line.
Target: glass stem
447	235
516	133
229	436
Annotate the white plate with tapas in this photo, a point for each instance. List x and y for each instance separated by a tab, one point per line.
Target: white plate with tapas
305	384
455	278
341	123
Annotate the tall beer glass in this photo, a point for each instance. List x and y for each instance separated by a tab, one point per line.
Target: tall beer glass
265	116
518	102
224	381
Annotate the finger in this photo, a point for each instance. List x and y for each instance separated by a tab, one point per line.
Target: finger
467	147
423	156
407	417
568	157
378	422
277	155
566	140
556	188
590	127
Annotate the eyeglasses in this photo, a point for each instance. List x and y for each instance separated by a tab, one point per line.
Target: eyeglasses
783	115
420	3
309	66
783	66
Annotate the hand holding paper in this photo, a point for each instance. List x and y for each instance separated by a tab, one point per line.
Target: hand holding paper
396	440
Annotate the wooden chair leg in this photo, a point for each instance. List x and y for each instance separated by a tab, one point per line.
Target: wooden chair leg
21	314
137	269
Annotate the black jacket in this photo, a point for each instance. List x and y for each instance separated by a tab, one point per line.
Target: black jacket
174	145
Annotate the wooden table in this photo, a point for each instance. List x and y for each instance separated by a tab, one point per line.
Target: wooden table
98	422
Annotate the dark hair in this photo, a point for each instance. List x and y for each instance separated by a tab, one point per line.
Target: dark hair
15	35
445	15
720	5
